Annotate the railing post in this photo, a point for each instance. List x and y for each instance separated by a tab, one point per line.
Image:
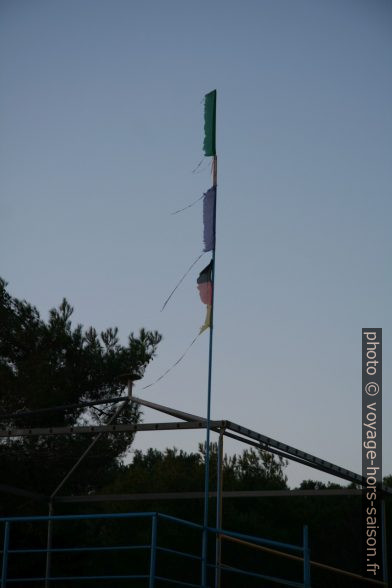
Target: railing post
306	557
204	557
49	540
5	554
219	487
153	555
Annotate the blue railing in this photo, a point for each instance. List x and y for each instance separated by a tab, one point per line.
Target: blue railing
151	576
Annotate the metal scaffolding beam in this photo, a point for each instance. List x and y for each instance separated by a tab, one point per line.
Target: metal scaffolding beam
288	451
192	421
185	416
199	424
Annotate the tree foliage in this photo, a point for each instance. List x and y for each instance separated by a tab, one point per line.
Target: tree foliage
174	470
45	364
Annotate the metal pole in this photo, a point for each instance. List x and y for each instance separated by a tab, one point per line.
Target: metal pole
49	545
207	450
5	554
219	490
93	442
153	556
306	557
130	386
384	543
55	492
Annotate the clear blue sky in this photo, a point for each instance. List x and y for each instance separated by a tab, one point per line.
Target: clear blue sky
101	126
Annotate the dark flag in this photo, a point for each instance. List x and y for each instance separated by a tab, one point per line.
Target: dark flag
204	285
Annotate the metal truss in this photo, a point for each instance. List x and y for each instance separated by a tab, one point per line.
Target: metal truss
191	421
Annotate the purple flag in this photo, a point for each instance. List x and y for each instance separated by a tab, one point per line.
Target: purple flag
208	218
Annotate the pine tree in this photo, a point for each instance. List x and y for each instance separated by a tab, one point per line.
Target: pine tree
46	364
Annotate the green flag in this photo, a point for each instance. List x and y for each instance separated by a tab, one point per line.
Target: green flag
209	123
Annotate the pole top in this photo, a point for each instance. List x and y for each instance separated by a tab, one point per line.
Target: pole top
129	376
128	380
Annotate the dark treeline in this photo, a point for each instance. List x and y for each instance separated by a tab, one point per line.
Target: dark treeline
46	364
334	522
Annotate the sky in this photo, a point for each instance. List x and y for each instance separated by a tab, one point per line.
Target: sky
101	118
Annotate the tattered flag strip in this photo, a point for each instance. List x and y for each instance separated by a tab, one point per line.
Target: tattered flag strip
188	205
208	219
172	366
204	285
207	322
209	123
182	279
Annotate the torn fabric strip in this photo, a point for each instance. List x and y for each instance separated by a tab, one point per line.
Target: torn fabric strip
209	203
209	123
204	285
207	322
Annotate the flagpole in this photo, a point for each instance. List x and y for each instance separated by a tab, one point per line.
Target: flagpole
207	448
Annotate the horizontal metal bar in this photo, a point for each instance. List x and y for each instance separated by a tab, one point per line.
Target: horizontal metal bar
227	568
124	515
23	413
262	548
292	493
79	549
199	495
181	553
256	540
81	517
73	578
163	579
179	521
91	429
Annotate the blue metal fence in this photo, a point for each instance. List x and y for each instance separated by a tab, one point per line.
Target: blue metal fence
152	576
